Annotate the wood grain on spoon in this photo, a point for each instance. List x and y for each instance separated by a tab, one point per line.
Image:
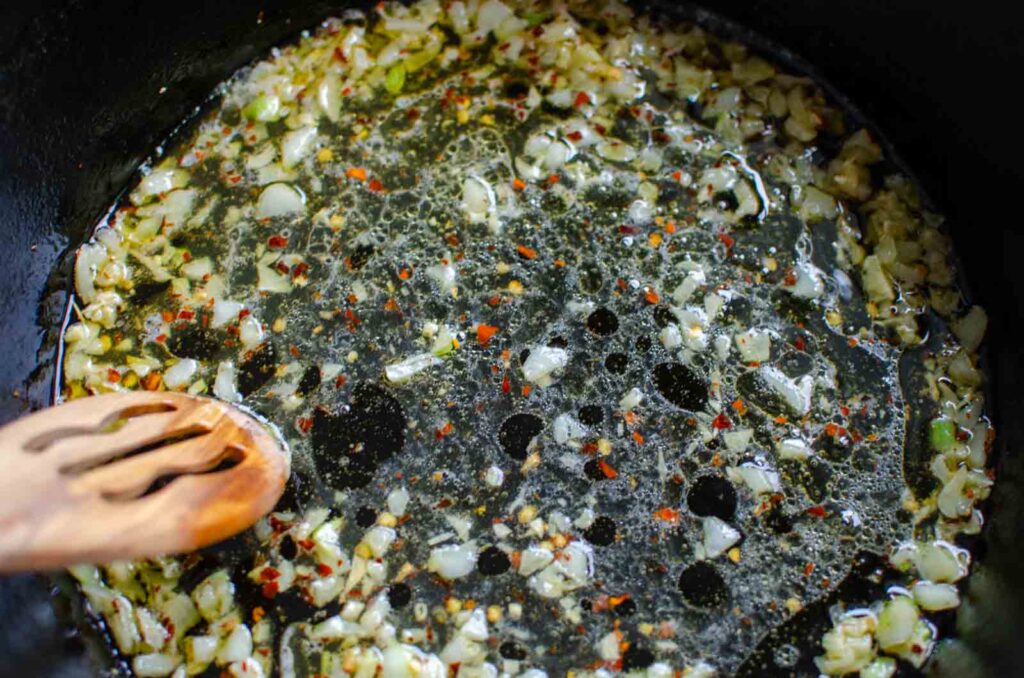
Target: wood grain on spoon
131	475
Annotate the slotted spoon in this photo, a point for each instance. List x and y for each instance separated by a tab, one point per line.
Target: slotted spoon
131	475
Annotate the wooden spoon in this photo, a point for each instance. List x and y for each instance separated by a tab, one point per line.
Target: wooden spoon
131	475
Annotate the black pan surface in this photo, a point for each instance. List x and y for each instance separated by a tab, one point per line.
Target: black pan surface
87	87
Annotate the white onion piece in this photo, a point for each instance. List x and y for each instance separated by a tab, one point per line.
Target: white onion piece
793	448
534	559
237	646
91	257
328	96
278	200
197	269
932	596
760	480
896	622
180	374
269	280
398	501
225	311
491	14
754	346
567	430
159	181
542	362
795	393
809	284
379	538
250	332
224	386
153	665
453	562
479	202
670	337
399	373
631	399
719	537
296	145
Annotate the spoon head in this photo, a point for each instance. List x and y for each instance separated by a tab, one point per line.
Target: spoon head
132	475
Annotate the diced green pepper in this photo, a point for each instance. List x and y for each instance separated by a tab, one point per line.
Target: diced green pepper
534	18
263	108
942	435
395	79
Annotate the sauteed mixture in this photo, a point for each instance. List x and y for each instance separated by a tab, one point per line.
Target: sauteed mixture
601	346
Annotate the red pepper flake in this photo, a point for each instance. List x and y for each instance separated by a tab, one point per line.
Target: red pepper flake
277	242
376	186
294	350
526	252
444	430
721	422
160	338
282	267
831	429
269	574
739	406
667	514
357	173
304	424
113	376
553	179
560	263
186	314
575	136
518	184
405	274
844	410
340	380
816	511
790	278
168	316
506	384
628	230
637	438
582	99
484	333
808	569
852	341
244	313
607	469
324	570
351	319
300	269
258	613
270	589
781	419
392	305
677	175
307	544
235	178
727	240
799	343
651	296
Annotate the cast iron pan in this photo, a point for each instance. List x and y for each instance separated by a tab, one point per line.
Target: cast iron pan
88	87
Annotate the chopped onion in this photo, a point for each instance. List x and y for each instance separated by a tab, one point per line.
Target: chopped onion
719	536
224	386
296	145
180	374
278	200
453	561
754	346
542	362
399	373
